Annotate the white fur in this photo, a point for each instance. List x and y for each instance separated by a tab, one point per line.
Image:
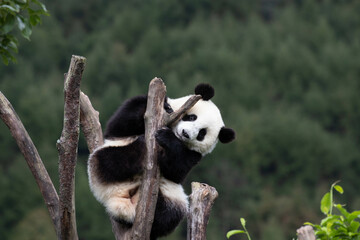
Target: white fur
174	192
119	142
117	199
208	116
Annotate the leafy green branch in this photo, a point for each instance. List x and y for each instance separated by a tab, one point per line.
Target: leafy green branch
17	14
335	227
233	232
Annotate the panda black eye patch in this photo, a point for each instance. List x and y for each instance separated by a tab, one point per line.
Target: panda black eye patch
201	135
190	118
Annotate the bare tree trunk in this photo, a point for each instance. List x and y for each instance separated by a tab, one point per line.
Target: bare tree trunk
154	120
201	201
31	155
67	146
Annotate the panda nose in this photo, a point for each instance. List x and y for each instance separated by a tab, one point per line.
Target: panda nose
184	133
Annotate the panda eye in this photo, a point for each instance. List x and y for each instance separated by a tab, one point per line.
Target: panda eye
191	117
201	134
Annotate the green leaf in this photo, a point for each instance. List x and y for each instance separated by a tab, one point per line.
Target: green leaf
11	9
8	24
325	204
35	20
25	27
5	59
243	222
329	220
342	210
21	23
13	46
233	232
339	189
309	223
354	225
353	215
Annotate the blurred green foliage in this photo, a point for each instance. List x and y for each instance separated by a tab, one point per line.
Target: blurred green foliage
20	14
287	79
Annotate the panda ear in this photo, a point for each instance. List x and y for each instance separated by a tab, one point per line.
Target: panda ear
205	90
226	135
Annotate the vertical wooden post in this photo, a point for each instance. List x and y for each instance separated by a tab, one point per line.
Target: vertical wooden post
306	233
201	201
67	146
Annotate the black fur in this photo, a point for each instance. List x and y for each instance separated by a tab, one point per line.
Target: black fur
128	120
167	217
117	164
226	135
205	90
176	160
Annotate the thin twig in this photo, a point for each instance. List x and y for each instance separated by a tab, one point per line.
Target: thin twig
176	116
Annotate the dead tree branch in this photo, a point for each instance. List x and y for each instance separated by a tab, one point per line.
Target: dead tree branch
90	125
306	233
154	120
176	116
31	155
67	146
201	201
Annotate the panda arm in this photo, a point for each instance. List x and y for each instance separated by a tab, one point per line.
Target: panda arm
116	164
176	160
128	120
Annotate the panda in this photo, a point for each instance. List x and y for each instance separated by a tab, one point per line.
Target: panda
116	167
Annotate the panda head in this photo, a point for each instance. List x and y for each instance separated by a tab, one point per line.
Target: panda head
202	126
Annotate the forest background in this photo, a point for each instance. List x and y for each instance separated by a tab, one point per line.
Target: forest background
287	79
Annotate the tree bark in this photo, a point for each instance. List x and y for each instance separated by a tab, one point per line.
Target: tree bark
67	146
31	155
154	120
201	201
306	233
90	124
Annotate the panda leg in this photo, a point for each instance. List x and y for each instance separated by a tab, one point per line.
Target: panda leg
168	215
121	209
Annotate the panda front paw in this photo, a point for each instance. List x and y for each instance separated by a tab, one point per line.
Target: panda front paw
164	137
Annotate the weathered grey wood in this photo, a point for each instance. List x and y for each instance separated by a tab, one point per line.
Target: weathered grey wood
201	201
90	124
67	146
154	120
174	117
306	233
31	155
